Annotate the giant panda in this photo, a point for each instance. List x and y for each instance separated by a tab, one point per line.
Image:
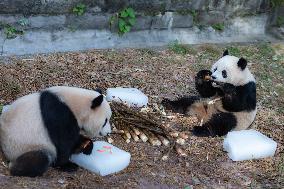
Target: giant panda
43	129
226	101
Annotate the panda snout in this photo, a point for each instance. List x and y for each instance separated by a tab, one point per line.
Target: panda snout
106	134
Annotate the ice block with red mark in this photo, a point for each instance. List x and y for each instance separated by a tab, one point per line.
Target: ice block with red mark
105	159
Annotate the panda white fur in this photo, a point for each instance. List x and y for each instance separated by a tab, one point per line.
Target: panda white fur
43	129
233	89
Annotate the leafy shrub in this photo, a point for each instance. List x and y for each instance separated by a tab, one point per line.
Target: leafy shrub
79	9
218	26
126	19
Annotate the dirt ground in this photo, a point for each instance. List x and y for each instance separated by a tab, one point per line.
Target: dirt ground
158	73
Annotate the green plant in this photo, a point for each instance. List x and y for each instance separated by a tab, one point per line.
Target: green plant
126	18
194	14
276	3
1	108
79	9
11	32
279	21
218	26
178	48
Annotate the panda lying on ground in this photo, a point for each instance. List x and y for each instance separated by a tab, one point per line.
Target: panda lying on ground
232	89
43	129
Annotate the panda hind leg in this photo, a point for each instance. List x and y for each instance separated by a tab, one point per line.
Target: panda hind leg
31	164
180	105
218	125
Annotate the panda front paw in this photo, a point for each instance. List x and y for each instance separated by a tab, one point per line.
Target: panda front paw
85	146
203	76
203	84
88	148
201	131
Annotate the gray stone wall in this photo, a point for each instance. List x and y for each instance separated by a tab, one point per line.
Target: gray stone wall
158	22
151	7
151	14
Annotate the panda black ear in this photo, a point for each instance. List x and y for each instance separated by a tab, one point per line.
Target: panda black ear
97	101
226	52
99	90
242	63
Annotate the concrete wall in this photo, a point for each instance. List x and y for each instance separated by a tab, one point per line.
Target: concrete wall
50	25
147	6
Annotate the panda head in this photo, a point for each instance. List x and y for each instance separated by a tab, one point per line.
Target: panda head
231	69
97	118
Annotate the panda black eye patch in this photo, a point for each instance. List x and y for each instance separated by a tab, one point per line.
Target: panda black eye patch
224	73
105	123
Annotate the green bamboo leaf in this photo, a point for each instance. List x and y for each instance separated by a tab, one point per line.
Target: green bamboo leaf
132	21
124	14
130	12
127	28
121	24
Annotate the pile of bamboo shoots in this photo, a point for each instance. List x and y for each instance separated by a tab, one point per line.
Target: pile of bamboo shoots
135	125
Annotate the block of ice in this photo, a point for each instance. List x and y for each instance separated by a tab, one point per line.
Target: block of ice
248	144
105	159
130	96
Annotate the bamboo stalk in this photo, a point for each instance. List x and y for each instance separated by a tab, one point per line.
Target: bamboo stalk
164	141
143	137
183	135
153	139
133	135
127	140
174	134
127	132
180	141
136	130
117	132
180	151
109	140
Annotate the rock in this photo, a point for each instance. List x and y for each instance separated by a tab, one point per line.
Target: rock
209	18
88	21
46	21
142	23
163	21
182	21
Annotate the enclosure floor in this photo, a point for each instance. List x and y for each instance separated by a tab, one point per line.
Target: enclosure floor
159	74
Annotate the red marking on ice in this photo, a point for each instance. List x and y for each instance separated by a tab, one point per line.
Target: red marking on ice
107	147
101	151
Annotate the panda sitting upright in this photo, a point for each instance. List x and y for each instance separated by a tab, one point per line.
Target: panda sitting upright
227	98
